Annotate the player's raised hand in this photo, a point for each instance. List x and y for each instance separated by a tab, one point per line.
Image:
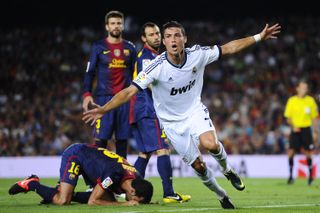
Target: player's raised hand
270	32
93	114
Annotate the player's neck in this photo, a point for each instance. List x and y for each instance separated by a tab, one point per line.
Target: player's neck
301	96
155	50
176	59
114	40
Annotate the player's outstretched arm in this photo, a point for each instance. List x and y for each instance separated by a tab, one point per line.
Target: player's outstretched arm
120	98
235	46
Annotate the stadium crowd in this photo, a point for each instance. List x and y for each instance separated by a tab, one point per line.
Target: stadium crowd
42	73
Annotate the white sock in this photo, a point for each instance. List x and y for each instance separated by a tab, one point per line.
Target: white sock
221	158
209	181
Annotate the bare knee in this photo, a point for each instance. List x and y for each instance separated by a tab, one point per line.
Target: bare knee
91	202
199	166
209	141
61	201
291	153
161	152
145	155
212	146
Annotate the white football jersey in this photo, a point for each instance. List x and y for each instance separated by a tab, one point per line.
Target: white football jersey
176	90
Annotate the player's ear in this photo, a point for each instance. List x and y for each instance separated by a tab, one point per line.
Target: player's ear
144	39
107	28
185	39
139	199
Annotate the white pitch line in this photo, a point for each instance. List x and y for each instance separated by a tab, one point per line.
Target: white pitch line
244	207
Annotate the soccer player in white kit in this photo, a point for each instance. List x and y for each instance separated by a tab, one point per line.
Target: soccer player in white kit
176	78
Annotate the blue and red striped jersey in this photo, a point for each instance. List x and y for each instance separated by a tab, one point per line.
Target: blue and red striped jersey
113	64
141	106
101	166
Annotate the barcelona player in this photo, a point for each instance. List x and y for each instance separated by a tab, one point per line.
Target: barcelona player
106	171
112	62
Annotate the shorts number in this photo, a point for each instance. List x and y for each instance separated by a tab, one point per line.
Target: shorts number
98	123
74	168
163	135
111	155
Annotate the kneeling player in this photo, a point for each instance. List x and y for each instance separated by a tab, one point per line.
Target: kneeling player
108	172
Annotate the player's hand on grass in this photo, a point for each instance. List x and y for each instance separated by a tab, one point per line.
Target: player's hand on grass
131	203
92	115
270	32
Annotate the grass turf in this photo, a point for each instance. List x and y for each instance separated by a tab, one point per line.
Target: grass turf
260	195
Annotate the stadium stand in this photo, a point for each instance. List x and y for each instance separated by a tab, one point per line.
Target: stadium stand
42	72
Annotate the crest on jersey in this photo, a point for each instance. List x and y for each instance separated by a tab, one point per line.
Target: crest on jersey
194	70
141	77
126	52
72	177
116	52
106	183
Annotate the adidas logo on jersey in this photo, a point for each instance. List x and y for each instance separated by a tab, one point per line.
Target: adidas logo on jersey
184	89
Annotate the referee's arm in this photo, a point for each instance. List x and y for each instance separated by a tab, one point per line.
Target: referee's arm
315	126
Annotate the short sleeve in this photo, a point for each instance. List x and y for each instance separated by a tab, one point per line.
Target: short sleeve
146	76
211	54
314	109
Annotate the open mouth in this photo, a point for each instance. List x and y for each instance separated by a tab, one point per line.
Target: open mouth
174	47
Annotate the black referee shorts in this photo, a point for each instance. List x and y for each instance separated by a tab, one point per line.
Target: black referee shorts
301	139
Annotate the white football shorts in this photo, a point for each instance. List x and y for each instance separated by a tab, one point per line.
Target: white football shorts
184	135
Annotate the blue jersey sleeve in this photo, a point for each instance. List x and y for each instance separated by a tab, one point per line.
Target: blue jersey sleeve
90	70
134	58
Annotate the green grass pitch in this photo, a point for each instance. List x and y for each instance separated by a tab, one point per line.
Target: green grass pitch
260	195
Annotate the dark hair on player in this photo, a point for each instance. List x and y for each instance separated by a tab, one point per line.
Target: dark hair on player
113	14
173	24
143	189
143	28
301	81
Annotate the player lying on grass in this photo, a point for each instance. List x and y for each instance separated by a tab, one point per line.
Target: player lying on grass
109	173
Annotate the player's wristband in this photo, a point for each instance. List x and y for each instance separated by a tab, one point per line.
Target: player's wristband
257	37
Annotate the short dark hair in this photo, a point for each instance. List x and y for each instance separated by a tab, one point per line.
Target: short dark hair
143	189
113	14
301	81
143	28
173	24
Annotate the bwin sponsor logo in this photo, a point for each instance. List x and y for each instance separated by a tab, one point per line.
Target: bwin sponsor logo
184	89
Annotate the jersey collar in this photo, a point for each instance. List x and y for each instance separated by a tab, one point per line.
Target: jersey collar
180	65
150	49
